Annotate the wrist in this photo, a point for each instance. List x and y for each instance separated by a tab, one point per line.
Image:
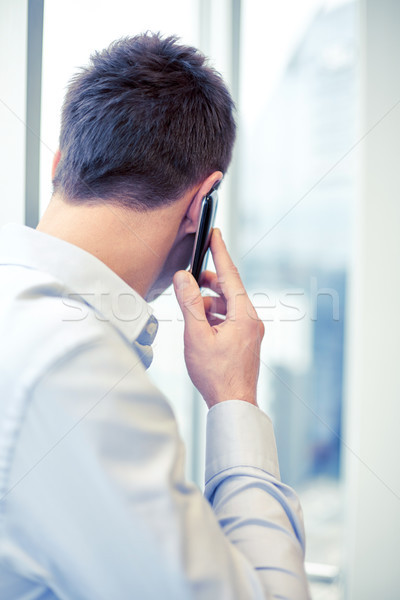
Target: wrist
237	398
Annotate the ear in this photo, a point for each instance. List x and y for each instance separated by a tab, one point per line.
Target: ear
56	160
192	214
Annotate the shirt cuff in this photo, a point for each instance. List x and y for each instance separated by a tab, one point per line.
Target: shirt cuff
239	434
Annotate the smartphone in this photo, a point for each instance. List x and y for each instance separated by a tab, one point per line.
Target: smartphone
203	234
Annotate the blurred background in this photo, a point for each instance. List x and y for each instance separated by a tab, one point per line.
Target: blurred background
310	210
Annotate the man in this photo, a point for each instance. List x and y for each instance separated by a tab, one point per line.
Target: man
94	500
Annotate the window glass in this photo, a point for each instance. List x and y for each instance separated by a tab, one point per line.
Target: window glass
295	202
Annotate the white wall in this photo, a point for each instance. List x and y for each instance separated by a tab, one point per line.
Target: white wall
13	37
372	455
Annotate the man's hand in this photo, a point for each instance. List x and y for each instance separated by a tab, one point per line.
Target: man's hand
222	354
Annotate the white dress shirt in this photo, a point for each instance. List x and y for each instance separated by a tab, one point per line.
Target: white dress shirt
94	502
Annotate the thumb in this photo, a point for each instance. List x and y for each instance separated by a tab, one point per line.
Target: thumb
191	302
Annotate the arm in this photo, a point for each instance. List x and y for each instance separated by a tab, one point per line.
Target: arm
260	515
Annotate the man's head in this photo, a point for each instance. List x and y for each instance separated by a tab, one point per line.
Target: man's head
147	130
143	123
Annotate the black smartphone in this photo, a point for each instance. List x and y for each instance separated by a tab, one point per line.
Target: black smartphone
203	234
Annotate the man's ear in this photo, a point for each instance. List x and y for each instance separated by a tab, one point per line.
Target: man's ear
56	160
193	211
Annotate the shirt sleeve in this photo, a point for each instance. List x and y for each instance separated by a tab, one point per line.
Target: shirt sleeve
260	515
98	506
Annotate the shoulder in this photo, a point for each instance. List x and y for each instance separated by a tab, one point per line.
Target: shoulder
57	371
44	324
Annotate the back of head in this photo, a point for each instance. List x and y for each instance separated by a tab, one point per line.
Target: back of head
144	122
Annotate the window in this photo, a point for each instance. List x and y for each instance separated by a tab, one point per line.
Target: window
294	205
286	209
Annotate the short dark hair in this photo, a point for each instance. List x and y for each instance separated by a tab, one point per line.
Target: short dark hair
144	122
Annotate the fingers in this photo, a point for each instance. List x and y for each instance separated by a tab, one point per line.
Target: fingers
222	357
215	305
209	280
191	302
228	278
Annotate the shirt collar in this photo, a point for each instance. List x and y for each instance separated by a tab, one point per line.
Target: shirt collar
85	276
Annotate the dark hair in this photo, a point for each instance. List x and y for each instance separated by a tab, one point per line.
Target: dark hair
144	122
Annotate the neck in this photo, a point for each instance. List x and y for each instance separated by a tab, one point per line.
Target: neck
123	239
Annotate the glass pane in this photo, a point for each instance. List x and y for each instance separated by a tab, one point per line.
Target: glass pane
297	185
